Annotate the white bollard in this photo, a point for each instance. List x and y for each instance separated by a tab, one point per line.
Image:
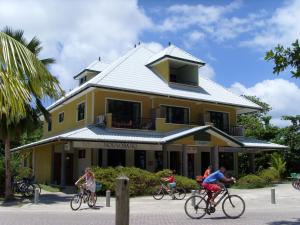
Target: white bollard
108	198
122	201
36	196
273	200
193	199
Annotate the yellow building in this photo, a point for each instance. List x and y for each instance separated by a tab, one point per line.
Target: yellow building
149	110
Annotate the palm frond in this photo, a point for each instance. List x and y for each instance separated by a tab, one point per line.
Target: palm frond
35	46
48	61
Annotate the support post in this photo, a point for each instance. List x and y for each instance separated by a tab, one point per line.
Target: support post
252	162
214	157
236	164
273	200
104	157
36	196
184	161
193	199
122	201
63	167
165	157
107	198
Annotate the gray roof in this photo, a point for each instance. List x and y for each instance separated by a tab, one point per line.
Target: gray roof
94	133
131	73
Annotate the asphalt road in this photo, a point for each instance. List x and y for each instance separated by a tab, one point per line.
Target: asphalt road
96	217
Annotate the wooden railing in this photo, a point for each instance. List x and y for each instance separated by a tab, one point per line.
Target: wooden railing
138	123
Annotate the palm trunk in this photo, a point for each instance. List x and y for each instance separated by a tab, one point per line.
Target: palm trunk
8	190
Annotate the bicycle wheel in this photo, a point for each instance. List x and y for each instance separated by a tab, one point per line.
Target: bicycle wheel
158	194
75	202
179	193
92	201
195	207
233	206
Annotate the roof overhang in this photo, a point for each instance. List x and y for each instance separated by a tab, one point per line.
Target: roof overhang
169	57
79	75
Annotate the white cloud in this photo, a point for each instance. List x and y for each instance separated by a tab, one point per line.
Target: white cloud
207	71
282	27
78	32
282	95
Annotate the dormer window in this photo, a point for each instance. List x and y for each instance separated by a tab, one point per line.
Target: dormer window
183	73
82	80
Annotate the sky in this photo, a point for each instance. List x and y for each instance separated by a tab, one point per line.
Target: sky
230	36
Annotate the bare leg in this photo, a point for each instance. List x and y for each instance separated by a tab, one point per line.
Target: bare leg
212	200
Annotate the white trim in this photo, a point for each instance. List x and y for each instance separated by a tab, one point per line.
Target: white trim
58	116
76	111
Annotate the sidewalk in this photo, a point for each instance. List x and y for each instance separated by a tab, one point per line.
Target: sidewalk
286	198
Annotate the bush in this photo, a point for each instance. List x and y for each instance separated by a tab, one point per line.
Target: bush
250	181
278	163
269	175
142	182
2	175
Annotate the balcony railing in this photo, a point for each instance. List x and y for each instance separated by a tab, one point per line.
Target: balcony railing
138	123
237	130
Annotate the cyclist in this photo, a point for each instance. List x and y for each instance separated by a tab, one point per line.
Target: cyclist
89	183
213	185
171	182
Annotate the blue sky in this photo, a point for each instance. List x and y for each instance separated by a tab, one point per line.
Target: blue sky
230	36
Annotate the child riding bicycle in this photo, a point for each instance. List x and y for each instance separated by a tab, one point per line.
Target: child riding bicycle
89	183
171	182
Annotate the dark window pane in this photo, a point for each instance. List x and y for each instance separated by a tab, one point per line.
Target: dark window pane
220	120
140	159
50	125
177	115
80	111
61	117
81	154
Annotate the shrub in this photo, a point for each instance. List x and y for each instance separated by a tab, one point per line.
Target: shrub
142	182
2	176
269	175
250	181
278	163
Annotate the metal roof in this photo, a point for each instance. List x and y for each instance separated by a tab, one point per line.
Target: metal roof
176	53
96	66
130	73
94	133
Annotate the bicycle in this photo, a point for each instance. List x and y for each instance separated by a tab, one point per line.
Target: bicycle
296	184
20	187
30	181
198	206
175	192
85	196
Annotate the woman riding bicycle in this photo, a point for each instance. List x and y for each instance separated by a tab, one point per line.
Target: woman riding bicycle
89	183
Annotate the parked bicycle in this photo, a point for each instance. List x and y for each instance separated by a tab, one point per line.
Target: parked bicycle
20	187
296	184
175	192
198	206
85	196
30	181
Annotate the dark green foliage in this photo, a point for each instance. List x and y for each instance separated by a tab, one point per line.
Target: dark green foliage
142	182
284	58
250	181
269	175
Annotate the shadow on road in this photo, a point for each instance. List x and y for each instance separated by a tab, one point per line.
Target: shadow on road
216	218
54	198
285	222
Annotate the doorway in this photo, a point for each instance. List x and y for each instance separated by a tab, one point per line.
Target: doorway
205	161
57	169
175	161
191	165
116	157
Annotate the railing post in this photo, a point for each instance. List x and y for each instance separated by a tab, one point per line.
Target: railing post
193	199
273	200
122	201
108	198
36	196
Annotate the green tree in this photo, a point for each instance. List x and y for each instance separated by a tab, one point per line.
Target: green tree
24	82
284	58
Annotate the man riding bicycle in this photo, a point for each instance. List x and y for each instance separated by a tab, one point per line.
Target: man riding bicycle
213	185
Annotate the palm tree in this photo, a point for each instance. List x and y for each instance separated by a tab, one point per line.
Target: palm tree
24	82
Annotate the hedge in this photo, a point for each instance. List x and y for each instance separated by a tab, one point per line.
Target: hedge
269	175
250	181
142	182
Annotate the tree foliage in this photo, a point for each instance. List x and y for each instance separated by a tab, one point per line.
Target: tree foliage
284	58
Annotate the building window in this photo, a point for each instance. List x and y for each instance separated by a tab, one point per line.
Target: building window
82	80
81	154
140	159
220	120
49	125
61	117
174	114
80	111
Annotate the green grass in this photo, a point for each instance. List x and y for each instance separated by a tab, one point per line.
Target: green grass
49	188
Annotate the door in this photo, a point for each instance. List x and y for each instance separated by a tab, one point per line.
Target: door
191	165
140	159
175	161
116	157
69	169
57	168
220	120
205	161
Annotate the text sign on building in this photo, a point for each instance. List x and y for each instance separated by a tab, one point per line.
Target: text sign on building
116	145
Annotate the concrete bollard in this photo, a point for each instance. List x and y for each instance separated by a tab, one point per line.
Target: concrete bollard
273	200
122	201
108	198
193	199
36	196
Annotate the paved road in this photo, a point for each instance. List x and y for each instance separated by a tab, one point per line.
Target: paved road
291	217
54	209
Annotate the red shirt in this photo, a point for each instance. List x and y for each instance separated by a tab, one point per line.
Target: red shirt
171	179
206	174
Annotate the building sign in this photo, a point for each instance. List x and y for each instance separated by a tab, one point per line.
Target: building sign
116	145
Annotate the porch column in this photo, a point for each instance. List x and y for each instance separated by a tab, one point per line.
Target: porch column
63	167
252	162
236	163
184	161
52	163
214	157
165	157
104	157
